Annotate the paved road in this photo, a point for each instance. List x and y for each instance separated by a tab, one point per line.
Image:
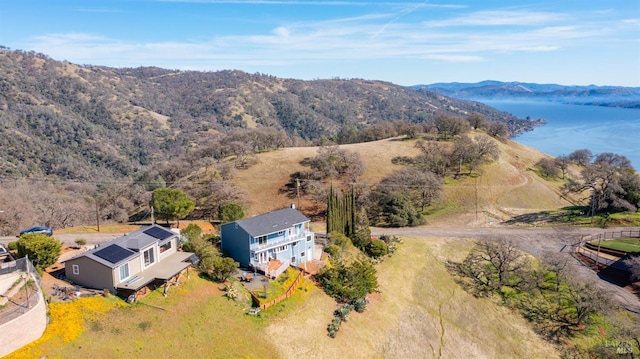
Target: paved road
70	239
534	240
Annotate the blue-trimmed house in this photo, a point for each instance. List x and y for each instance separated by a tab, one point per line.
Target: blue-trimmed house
269	242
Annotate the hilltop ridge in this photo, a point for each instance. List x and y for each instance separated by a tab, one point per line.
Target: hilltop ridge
67	121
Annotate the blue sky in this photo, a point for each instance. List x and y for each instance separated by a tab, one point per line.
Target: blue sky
571	42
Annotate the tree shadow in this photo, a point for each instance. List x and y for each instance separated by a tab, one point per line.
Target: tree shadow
564	215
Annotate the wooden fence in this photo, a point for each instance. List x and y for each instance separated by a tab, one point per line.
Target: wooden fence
282	297
598	255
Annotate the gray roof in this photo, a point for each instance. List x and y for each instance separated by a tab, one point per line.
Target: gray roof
271	222
133	241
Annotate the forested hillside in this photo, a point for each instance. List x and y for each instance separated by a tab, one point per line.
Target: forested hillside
60	120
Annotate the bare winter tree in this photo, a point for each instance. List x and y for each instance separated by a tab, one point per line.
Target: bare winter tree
498	129
562	163
421	187
581	157
548	167
494	264
477	121
611	183
449	126
433	157
473	151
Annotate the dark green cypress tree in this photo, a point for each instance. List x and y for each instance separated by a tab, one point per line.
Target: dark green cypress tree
341	212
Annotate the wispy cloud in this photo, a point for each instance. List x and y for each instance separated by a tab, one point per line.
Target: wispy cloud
501	18
455	58
97	10
315	3
384	35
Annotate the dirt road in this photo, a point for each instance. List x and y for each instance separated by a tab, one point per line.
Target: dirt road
70	239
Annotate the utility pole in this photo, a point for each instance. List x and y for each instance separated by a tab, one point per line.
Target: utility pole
476	185
593	201
97	216
298	191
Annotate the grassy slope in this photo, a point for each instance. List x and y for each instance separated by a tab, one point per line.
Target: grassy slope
505	188
420	313
264	180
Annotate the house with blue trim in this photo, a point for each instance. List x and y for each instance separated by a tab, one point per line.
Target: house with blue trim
269	242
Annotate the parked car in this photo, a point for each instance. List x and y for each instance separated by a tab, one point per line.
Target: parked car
37	229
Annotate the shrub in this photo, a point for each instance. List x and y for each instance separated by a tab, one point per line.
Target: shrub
81	241
377	249
359	305
232	292
333	250
41	249
212	238
230	212
12	246
192	232
222	268
343	312
334	326
346	283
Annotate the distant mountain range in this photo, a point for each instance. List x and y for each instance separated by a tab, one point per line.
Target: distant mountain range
612	96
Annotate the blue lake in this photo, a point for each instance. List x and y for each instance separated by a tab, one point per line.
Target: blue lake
573	127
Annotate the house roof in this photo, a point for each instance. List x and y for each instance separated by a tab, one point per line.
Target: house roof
271	222
123	249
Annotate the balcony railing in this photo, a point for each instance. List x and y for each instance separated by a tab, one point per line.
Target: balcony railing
279	241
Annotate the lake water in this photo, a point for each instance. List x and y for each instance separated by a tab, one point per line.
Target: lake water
573	127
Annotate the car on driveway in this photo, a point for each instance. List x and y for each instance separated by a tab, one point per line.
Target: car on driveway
37	229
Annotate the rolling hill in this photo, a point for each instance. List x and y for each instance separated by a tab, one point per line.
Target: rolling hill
66	121
506	187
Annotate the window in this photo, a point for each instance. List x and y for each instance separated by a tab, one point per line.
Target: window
262	257
280	233
165	247
302	254
293	259
76	269
281	249
308	238
148	257
262	240
124	271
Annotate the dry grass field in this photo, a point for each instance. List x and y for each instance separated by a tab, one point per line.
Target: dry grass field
420	312
265	180
504	188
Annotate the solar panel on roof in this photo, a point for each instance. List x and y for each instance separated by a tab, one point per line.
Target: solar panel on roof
113	253
158	232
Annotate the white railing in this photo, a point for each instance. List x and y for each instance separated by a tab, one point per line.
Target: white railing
272	243
276	272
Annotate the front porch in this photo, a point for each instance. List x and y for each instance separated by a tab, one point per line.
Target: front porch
164	273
